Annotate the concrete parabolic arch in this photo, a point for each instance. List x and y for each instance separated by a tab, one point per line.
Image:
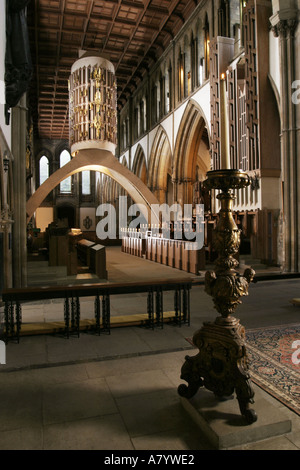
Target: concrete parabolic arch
104	162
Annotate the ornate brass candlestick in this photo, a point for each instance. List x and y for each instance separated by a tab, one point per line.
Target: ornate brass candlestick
221	365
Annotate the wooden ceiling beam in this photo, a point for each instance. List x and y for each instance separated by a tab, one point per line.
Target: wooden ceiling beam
132	37
164	21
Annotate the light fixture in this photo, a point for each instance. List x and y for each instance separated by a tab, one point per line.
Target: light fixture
92	104
5	161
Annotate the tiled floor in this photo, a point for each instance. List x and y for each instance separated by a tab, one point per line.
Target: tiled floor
119	391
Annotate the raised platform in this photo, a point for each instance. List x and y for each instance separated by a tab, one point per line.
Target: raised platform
225	427
58	327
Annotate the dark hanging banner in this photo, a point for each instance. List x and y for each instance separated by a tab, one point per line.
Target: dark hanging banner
18	64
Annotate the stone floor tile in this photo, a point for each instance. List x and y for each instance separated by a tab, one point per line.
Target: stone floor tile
180	439
151	413
22	439
58	375
20	405
97	433
77	400
135	364
138	383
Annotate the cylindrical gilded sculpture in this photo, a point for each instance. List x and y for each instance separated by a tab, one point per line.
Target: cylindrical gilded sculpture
93	104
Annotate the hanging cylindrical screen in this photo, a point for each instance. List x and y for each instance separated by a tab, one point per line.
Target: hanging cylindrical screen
92	104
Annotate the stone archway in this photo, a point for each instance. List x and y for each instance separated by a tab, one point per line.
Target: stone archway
160	165
104	162
139	167
191	154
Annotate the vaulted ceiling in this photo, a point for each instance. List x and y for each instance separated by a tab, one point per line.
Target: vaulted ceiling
132	34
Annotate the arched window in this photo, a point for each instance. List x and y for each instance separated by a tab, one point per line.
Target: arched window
243	4
187	86
136	127
194	61
162	90
142	114
86	182
154	103
206	47
180	76
169	90
124	135
223	18
44	169
66	184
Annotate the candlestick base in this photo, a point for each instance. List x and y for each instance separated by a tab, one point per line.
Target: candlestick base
222	363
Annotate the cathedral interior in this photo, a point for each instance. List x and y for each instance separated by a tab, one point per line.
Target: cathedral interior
128	130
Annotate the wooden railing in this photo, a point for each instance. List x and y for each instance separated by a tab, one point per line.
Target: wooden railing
174	253
14	298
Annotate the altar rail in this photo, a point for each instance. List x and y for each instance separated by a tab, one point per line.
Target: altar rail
13	299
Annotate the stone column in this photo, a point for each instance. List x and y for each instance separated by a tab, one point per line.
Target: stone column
188	191
179	192
7	230
5	218
160	194
284	23
174	184
19	120
296	102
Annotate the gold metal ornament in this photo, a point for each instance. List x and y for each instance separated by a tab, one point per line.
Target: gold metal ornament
222	364
97	125
98	101
89	95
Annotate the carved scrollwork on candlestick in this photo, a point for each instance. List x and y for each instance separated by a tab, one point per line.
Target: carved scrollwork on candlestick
222	363
227	290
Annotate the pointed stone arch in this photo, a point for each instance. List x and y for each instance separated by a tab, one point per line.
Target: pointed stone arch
160	164
191	155
124	162
104	162
139	166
